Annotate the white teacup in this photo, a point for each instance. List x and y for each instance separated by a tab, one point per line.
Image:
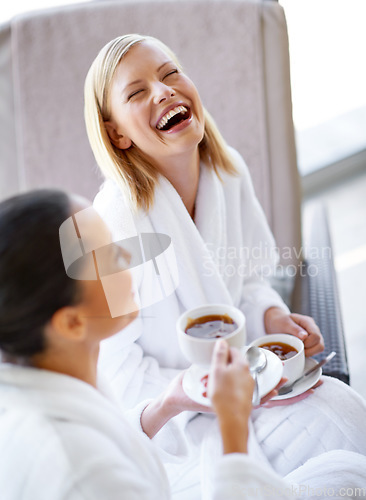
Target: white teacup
293	367
198	350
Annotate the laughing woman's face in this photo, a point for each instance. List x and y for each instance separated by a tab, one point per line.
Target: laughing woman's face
155	106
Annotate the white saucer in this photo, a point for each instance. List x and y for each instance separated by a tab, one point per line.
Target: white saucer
305	384
267	379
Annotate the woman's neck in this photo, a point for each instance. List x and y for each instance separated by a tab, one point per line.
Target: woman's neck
183	173
79	362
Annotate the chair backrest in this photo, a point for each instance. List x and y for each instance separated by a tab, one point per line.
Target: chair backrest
235	51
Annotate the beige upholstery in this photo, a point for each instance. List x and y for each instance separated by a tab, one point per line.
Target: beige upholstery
235	51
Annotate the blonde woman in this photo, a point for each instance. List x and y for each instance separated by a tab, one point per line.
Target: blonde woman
168	170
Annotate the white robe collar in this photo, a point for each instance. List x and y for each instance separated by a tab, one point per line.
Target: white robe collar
199	279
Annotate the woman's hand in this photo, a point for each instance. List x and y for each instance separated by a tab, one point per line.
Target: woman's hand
278	321
176	400
167	405
230	388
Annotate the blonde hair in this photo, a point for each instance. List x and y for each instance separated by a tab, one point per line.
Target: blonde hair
133	172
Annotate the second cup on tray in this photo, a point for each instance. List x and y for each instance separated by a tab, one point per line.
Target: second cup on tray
289	349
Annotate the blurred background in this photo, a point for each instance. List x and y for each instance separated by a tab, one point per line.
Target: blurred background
328	77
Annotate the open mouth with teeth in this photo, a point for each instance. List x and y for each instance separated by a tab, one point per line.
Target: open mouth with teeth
173	117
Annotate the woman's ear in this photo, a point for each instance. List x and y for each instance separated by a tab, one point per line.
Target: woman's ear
69	324
120	141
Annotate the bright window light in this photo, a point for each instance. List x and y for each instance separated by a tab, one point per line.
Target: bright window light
327	50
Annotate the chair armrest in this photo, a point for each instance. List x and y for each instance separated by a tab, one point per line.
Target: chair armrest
316	291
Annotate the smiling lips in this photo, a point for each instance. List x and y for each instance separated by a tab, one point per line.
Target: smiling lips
173	117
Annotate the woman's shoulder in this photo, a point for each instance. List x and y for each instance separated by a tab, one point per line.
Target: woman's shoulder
109	193
76	456
111	199
242	176
243	180
238	161
115	208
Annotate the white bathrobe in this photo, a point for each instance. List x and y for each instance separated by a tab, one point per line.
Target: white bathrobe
221	258
61	439
224	257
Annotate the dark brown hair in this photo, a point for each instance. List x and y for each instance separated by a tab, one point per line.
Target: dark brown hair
33	281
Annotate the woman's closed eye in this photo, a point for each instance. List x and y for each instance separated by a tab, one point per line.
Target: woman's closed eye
139	91
171	72
134	93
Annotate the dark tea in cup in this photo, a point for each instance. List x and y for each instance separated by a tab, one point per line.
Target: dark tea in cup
213	326
282	350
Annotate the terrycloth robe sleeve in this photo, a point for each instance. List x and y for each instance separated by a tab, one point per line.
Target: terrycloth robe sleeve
134	376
